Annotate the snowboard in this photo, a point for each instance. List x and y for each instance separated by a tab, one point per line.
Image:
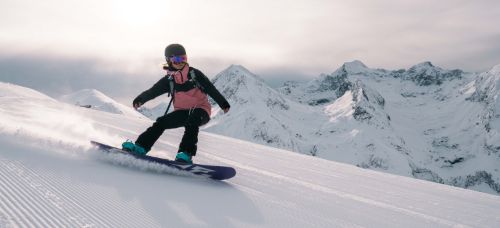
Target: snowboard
210	171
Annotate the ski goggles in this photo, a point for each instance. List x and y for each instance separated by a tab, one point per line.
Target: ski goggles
178	59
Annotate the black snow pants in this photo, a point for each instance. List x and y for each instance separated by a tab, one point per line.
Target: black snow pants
191	120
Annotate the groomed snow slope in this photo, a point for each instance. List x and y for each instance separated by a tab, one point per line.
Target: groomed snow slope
50	176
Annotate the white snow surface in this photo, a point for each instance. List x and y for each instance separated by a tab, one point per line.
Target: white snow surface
50	176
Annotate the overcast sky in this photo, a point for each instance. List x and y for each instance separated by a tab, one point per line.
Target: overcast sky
118	45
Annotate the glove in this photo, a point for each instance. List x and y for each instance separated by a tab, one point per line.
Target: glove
226	107
137	103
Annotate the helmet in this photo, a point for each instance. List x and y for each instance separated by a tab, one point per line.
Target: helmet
174	50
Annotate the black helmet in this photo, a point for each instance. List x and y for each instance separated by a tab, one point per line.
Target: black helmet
174	50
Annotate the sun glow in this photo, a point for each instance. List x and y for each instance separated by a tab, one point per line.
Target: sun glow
139	13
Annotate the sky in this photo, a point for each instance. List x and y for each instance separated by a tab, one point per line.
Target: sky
58	46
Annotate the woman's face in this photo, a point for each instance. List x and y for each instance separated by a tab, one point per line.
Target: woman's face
178	66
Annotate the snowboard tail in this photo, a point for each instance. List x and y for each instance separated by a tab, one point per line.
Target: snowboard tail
210	171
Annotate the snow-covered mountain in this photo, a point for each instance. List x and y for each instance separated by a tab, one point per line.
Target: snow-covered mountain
327	88
261	114
50	176
425	122
486	90
94	99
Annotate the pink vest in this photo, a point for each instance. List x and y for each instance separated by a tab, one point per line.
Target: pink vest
194	98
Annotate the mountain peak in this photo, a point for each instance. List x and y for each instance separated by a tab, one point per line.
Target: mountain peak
425	74
94	99
240	86
92	92
236	72
353	67
424	66
86	96
234	68
495	69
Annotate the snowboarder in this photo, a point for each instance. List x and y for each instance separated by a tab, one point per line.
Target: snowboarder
188	87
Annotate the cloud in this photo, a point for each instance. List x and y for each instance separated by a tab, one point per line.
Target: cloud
99	43
318	35
56	76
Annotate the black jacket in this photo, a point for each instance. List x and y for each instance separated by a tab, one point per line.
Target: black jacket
163	86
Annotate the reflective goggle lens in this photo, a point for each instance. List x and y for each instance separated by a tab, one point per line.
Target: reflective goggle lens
178	59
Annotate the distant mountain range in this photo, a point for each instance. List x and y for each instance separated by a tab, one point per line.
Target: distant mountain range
426	122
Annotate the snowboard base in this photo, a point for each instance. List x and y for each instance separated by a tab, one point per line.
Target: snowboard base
210	171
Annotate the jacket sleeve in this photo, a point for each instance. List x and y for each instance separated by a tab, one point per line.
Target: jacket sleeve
210	89
159	88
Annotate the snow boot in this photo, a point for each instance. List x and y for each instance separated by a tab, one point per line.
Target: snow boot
130	146
184	158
